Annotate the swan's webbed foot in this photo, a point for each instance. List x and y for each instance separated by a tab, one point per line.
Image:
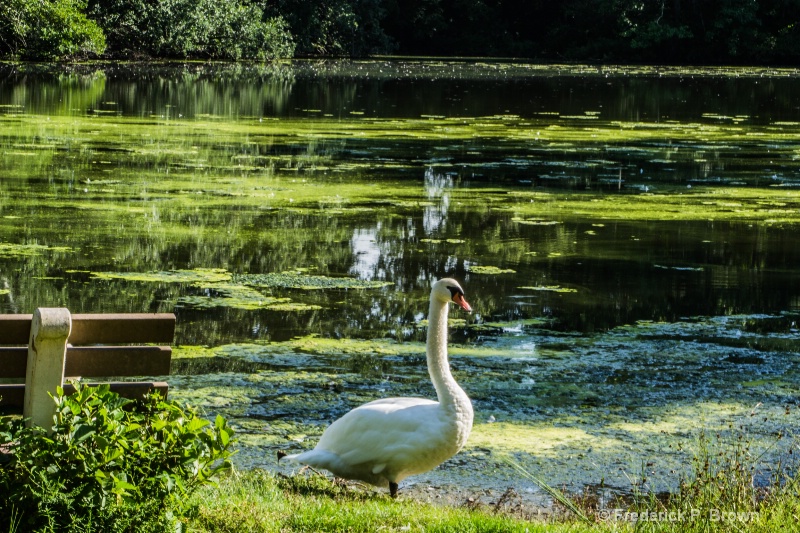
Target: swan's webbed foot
393	489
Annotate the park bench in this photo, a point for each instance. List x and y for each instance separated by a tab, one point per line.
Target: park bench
52	345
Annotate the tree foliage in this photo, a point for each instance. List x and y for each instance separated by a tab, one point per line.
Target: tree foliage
191	28
46	30
666	31
335	27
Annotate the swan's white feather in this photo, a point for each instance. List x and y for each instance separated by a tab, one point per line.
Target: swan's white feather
390	439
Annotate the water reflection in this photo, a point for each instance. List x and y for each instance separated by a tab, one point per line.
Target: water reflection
434	217
367	254
170	92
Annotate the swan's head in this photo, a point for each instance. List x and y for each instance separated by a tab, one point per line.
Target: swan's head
448	290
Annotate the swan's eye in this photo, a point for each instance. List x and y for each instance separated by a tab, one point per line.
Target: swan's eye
454	291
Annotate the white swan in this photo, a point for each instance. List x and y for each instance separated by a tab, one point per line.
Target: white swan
385	441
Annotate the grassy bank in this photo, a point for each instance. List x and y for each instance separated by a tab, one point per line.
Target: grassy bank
259	501
721	496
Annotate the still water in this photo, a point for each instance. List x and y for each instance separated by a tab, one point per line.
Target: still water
627	237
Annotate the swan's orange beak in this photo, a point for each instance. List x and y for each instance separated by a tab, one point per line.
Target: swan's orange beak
462	303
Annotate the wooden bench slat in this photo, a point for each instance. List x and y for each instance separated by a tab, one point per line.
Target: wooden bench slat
13	362
91	351
96	361
122	328
101	328
100	361
15	329
14	395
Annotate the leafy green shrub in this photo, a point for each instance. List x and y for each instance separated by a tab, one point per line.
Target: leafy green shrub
335	28
192	28
58	29
240	33
110	464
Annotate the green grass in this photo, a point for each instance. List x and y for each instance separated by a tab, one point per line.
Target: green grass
259	501
722	494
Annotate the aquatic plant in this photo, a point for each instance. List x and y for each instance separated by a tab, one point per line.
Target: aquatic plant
197	275
295	280
549	288
29	250
489	270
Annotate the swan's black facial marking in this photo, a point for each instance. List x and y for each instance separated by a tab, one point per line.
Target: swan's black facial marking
454	291
457	295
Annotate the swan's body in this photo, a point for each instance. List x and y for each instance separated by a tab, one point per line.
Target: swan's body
385	441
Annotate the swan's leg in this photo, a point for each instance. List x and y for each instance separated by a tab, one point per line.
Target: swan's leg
393	489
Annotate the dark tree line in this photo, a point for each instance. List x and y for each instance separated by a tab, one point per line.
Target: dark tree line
662	31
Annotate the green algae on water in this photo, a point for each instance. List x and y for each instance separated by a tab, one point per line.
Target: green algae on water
549	288
451	323
439	241
29	250
768	205
570	431
295	280
221	291
243	303
535	221
489	270
229	295
197	275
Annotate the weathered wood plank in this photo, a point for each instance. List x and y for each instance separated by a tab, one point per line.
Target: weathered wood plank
100	328
15	329
88	353
96	361
13	396
122	328
102	361
13	362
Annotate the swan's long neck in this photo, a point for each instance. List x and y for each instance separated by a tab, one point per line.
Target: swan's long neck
447	390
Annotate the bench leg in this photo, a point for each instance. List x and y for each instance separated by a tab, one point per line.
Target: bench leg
47	350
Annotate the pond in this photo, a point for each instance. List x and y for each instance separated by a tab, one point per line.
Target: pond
627	237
